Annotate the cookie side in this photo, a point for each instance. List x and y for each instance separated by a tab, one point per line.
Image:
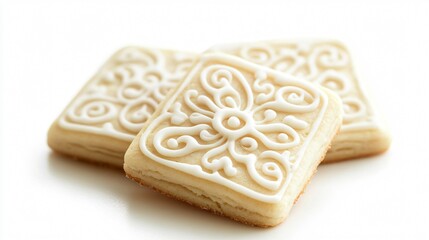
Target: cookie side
86	146
352	145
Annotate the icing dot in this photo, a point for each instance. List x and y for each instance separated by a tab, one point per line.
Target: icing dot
96	110
347	108
132	92
271	169
172	143
140	116
230	171
332	85
110	77
293	97
230	102
282	137
234	122
270	114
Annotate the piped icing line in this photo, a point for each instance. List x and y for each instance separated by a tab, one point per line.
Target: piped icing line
126	92
323	62
228	121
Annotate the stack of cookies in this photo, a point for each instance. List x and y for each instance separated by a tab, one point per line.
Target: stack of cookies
238	130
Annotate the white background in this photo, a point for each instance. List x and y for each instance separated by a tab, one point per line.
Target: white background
50	49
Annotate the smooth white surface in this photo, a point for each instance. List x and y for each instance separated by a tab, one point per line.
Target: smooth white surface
50	49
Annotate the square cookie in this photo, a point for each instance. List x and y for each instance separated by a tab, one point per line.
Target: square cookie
102	120
327	63
236	138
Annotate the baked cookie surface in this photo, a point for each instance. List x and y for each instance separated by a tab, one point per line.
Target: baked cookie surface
327	63
102	120
236	138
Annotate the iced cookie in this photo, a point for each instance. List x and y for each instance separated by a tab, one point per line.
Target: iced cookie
102	120
326	63
236	138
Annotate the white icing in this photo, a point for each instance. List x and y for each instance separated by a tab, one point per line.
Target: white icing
219	123
126	92
320	62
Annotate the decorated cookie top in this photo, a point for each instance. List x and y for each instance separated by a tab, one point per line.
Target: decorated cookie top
237	124
125	92
322	62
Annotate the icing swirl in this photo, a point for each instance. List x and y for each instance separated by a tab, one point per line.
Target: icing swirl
243	128
126	92
327	64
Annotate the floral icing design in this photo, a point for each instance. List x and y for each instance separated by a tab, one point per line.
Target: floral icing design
126	92
324	63
239	128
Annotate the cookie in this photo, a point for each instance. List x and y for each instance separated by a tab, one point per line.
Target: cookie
327	63
102	120
236	138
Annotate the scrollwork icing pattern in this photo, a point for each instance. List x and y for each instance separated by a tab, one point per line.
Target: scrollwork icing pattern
235	127
323	63
126	92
